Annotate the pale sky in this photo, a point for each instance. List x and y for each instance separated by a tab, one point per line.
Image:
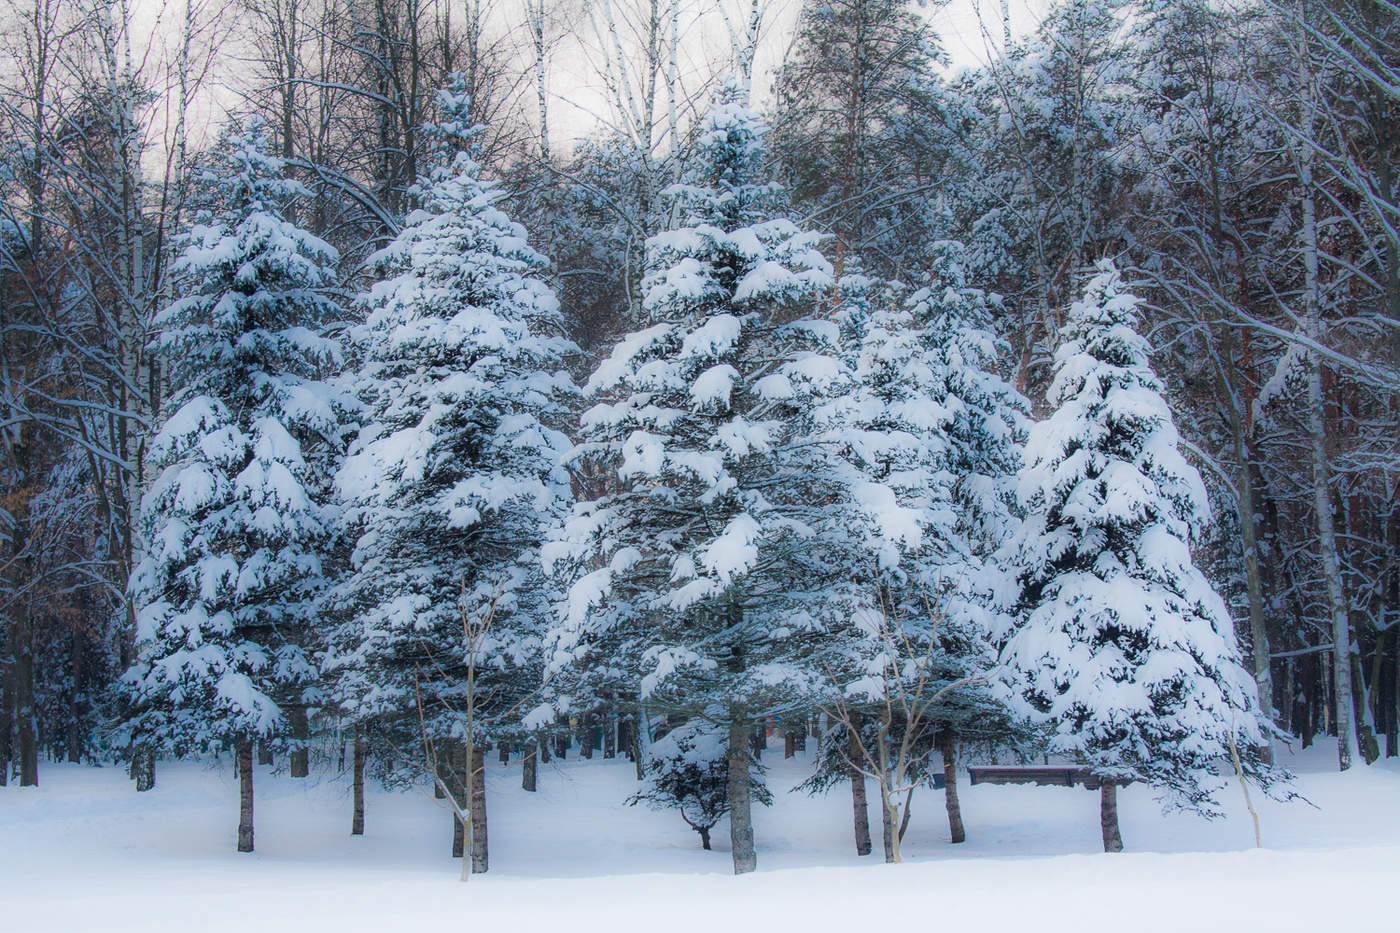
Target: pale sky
577	99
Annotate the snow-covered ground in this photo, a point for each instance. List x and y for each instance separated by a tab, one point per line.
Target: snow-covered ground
84	852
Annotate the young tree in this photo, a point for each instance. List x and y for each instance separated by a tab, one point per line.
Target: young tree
457	469
1120	646
700	572
687	770
234	524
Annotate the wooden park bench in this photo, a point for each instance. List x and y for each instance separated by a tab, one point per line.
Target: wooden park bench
1042	775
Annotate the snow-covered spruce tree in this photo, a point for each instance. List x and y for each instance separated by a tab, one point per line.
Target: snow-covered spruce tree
455	474
1119	644
234	523
927	439
687	770
701	572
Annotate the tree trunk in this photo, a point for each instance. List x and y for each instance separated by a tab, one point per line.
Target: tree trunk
704	832
143	767
245	795
858	803
1108	817
528	767
299	762
480	852
609	735
950	788
561	746
585	737
7	706
740	815
357	819
459	787
789	744
503	752
542	743
26	732
264	753
887	827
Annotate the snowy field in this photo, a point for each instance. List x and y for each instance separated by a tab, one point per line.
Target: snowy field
86	853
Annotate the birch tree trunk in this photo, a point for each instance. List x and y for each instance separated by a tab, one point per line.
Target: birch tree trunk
1347	751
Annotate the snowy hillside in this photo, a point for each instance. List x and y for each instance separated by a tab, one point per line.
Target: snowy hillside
83	852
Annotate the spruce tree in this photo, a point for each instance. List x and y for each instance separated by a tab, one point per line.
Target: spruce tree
926	437
697	556
1120	647
456	471
234	523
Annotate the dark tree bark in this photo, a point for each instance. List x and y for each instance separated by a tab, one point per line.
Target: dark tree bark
887	825
73	741
1108	817
480	850
585	737
26	731
859	807
609	735
357	818
950	787
459	786
704	832
264	753
245	795
503	753
529	769
7	706
561	746
542	742
143	768
299	762
740	814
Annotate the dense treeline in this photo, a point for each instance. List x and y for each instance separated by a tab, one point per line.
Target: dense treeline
883	410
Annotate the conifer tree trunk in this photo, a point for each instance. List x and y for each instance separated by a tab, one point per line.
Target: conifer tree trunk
950	787
542	742
7	705
789	744
561	746
503	753
528	767
859	806
357	818
143	768
1108	817
245	795
480	851
740	815
609	735
585	737
264	753
26	733
299	761
458	785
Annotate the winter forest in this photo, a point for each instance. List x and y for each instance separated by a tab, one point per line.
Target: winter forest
717	408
